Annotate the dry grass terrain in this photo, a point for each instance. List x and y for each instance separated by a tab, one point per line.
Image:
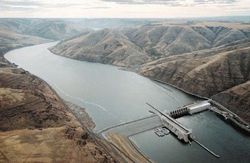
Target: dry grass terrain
139	45
210	59
11	40
223	75
36	126
53	29
206	58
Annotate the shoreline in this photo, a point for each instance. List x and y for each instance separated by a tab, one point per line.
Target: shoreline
39	122
84	120
127	148
81	114
87	122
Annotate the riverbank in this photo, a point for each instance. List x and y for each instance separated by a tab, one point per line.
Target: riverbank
125	146
36	126
87	122
105	91
220	74
81	115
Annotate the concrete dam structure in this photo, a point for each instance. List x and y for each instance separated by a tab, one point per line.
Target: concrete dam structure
160	119
174	126
191	109
165	123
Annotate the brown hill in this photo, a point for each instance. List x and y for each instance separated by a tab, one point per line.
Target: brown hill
11	40
104	46
205	58
236	99
36	126
54	29
135	46
211	74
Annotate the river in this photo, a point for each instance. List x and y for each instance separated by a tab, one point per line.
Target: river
112	96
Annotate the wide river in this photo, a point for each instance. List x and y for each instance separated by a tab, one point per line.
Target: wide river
112	96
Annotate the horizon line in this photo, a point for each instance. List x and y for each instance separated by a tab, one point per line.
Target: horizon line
124	17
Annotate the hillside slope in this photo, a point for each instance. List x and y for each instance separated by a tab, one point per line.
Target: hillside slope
205	58
54	29
104	46
11	40
36	126
236	99
212	75
135	46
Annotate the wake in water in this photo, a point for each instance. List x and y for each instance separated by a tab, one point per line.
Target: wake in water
166	90
83	102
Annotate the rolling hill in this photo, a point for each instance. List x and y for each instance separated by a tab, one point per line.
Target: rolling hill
11	40
54	29
222	74
139	45
104	46
35	124
206	58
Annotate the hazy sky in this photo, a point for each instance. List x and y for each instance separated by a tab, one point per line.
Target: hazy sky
123	8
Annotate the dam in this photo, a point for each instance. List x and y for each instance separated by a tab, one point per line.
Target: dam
174	126
112	96
159	119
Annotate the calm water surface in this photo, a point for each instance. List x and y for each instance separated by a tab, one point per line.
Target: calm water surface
218	136
112	96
